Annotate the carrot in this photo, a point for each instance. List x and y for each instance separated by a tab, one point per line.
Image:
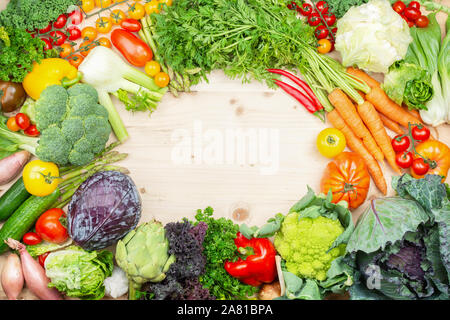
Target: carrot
355	144
389	108
373	122
390	124
371	82
347	110
414	113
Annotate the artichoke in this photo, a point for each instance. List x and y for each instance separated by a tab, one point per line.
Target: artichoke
143	255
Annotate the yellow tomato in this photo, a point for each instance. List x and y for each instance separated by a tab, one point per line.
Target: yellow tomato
324	46
103	3
103	24
162	79
331	142
152	68
136	11
167	2
152	7
117	16
89	33
66	50
86	47
103	41
40	178
87	5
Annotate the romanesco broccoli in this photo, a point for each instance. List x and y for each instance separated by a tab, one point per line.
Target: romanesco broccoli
304	243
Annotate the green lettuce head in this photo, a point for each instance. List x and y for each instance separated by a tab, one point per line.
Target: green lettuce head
79	273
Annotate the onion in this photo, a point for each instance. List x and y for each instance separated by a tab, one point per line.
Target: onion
12	165
34	274
12	277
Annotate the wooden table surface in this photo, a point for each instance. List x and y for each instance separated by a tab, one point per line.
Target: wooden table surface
171	191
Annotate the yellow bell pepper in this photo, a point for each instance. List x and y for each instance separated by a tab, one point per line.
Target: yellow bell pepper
49	72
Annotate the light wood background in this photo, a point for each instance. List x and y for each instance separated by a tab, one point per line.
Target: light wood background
170	192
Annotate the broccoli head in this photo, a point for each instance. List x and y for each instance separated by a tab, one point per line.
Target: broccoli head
73	126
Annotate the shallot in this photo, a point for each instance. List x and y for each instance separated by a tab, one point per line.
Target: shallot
12	277
34	274
12	165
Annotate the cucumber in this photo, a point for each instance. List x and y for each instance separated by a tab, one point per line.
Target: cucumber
12	199
24	218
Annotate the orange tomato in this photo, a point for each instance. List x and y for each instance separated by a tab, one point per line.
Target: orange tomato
167	2
67	49
76	60
89	33
136	11
324	46
347	177
86	47
103	24
117	16
162	79
103	3
12	124
152	7
87	5
103	41
438	154
152	68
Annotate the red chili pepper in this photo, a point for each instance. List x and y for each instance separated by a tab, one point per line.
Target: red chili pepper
259	266
136	51
302	84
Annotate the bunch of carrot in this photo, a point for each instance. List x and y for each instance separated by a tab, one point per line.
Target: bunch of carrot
363	125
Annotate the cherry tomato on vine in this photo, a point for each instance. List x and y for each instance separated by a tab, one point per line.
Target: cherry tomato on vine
89	33
104	42
32	131
117	16
422	22
404	159
321	32
103	24
414	4
48	44
399	7
152	7
322	6
59	37
410	23
76	60
50	228
314	19
162	79
420	167
60	22
306	9
86	47
136	11
412	13
420	133
76	17
400	143
42	258
74	33
67	49
330	19
31	238
167	2
23	121
103	3
324	46
87	5
12	124
152	68
46	29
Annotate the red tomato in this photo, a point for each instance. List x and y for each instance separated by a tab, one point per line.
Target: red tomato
414	4
32	131
330	19
49	226
422	22
42	258
46	29
60	22
404	159
399	6
76	17
412	13
48	44
410	23
23	121
400	143
314	19
420	167
322	6
74	33
305	10
420	133
321	32
59	37
31	238
132	25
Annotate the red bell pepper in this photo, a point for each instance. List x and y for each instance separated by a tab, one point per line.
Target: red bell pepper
256	268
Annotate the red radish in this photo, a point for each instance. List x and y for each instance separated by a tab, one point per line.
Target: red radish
34	273
12	277
12	165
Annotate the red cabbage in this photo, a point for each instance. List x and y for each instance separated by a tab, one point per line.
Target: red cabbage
103	210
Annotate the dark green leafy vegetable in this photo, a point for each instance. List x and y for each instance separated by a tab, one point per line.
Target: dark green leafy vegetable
340	7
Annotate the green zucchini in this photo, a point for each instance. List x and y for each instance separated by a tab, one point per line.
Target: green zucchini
25	217
12	199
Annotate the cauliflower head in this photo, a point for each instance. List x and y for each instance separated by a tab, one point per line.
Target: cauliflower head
303	244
